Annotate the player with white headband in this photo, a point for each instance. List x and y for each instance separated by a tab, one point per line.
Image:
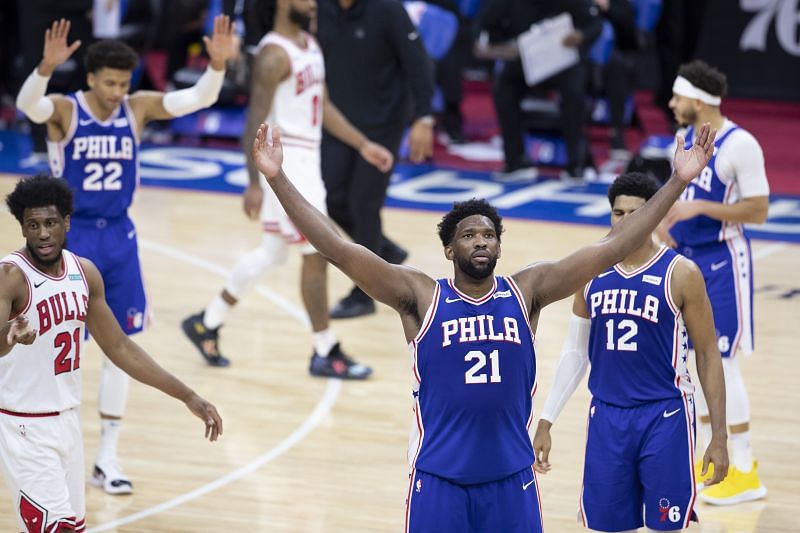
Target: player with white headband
93	143
707	226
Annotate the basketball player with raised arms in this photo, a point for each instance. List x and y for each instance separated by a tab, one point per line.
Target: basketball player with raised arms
471	343
288	89
708	226
48	298
93	143
633	322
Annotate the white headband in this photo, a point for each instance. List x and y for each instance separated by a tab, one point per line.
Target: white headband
684	87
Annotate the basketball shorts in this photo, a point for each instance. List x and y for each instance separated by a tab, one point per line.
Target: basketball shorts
302	167
639	466
727	268
42	460
510	505
111	244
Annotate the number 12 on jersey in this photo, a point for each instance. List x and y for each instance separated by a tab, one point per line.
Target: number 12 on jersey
475	374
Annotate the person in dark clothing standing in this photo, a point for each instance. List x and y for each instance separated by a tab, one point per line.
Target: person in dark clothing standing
380	77
504	20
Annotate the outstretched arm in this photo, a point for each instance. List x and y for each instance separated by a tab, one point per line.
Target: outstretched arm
155	105
697	315
337	125
13	295
134	361
548	282
396	286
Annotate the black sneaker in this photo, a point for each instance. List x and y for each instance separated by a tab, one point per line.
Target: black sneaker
337	365
205	340
353	305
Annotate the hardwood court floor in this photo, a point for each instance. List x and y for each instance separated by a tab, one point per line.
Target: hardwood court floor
308	455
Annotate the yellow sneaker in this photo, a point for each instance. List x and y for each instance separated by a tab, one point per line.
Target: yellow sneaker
737	487
699	478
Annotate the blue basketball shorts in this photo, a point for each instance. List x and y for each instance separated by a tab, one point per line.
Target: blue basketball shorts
510	505
639	468
112	246
727	268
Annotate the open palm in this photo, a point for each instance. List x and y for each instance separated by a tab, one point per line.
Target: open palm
267	151
223	43
56	50
689	163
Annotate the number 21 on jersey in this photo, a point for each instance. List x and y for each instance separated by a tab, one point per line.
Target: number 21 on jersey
476	373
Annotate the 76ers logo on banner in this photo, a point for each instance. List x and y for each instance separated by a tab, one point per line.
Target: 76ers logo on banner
672	513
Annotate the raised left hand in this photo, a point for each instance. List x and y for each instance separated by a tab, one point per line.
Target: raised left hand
208	414
377	155
223	44
268	151
689	163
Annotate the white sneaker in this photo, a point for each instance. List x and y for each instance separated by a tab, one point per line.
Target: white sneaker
108	475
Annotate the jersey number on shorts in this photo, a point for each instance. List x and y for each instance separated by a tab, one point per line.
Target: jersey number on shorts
475	375
100	178
627	330
65	361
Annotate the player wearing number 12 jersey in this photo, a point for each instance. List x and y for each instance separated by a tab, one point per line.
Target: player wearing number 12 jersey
633	323
93	143
48	297
471	342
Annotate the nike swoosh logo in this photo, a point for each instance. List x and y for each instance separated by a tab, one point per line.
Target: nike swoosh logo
717	266
667	415
528	484
604	274
37	285
85	122
451	300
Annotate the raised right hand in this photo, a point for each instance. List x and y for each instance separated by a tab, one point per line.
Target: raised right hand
268	151
56	50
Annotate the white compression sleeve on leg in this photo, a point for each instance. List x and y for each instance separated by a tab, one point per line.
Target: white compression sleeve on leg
571	367
113	393
273	251
31	99
738	403
200	95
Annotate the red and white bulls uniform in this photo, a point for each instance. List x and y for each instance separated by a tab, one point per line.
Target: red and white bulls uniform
41	448
297	111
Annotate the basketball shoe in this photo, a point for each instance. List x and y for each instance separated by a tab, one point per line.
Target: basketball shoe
205	340
337	365
737	487
108	475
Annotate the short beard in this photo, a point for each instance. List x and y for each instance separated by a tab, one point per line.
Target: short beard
466	266
301	19
690	117
44	262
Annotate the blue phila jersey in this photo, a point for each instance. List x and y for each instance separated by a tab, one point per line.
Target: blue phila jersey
707	186
638	342
99	159
475	374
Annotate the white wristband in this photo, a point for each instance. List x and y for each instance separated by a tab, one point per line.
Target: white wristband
200	95
31	99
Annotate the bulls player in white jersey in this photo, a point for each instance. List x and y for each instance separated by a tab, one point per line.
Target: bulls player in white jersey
93	141
288	89
471	342
633	322
48	297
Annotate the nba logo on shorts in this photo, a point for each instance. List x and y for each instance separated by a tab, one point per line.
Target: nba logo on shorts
135	318
419	485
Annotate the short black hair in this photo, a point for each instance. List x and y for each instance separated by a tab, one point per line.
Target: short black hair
110	54
636	184
705	77
462	210
40	191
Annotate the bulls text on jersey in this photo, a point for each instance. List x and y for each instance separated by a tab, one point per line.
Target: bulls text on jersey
55	309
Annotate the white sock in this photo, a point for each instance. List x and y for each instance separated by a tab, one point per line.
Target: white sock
109	437
741	453
324	341
216	313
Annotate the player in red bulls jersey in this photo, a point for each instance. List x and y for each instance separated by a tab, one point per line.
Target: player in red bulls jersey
48	297
93	144
471	341
633	323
